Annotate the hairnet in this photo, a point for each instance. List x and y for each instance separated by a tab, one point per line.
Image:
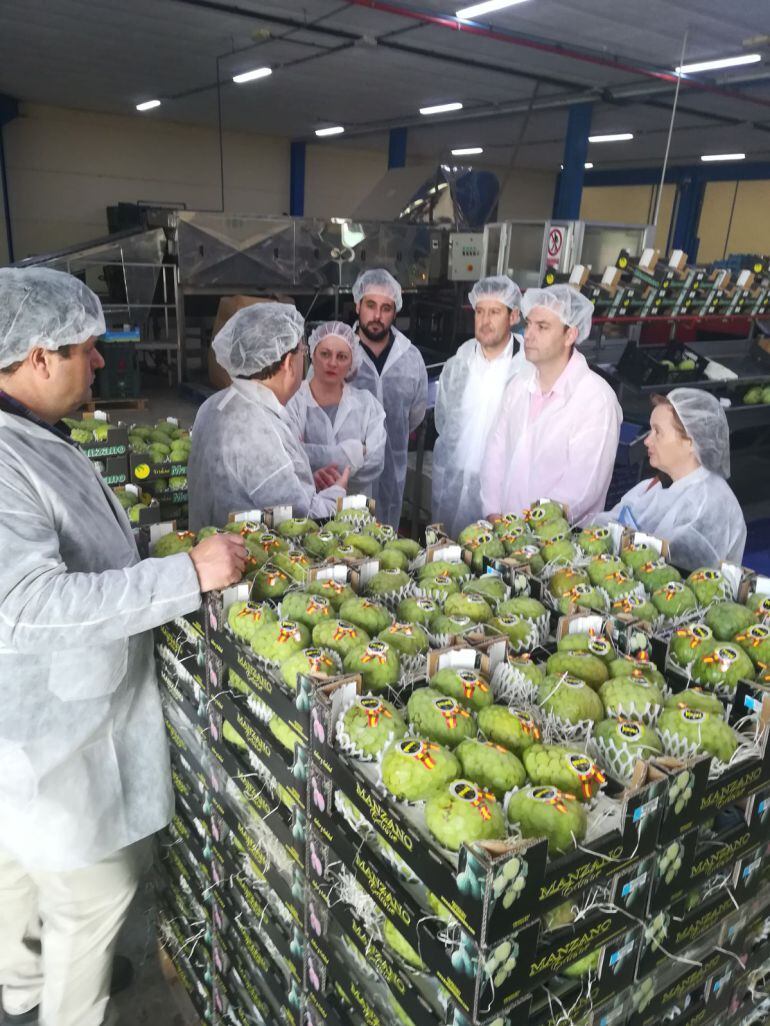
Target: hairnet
337	329
572	308
380	282
258	336
500	288
705	421
43	307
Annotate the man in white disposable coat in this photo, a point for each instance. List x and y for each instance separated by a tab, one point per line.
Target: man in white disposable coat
84	770
470	391
393	370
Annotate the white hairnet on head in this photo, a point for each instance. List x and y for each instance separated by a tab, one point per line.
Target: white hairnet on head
705	421
572	308
258	336
43	307
379	282
337	329
500	288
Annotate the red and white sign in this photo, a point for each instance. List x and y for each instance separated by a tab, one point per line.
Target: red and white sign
555	244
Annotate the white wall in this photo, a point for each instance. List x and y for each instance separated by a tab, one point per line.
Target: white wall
525	193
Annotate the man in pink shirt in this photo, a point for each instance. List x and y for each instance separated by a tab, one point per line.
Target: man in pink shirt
558	431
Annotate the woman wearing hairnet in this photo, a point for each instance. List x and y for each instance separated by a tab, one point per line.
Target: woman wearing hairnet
336	423
698	514
470	391
245	451
559	425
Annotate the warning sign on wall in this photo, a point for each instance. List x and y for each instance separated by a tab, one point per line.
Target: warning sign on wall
555	244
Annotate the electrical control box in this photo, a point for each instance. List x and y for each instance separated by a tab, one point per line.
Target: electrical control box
465	256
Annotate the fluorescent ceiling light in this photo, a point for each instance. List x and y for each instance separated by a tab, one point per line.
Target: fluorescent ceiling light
723	156
148	105
613	137
723	62
588	166
484	8
249	76
467	151
334	130
441	108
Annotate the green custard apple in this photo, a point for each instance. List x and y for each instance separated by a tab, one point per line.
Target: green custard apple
569	699
635	556
408	639
345	553
408	546
318	662
584	665
319	544
562	915
687	641
546	812
135	512
527	554
621	742
388	582
486	545
543	511
598	645
270	582
523	606
207	532
296	527
627	666
562	552
391	558
619	585
635	607
708	733
603	566
489	586
378	663
126	499
245	618
277	640
550	530
371	723
568	769
440	587
510	523
283	734
307	608
630	697
268	541
371	616
708	585
755	642
490	765
595	540
458	571
474	606
564	580
295	564
463	813
418	610
521	633
515	538
415	768
522	663
177	483
400	946
442	625
439	717
674	600
336	592
582	596
695	698
510	728
172	543
382	532
583	967
469	687
722	665
759	604
726	619
655	574
365	544
339	635
478	529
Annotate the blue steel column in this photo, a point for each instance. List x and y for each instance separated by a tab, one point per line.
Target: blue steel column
297	179
690	193
569	189
397	148
9	109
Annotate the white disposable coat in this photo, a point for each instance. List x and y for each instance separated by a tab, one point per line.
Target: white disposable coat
402	389
566	454
698	516
356	438
84	765
246	455
470	391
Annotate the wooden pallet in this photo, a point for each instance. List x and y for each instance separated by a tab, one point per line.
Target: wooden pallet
114	404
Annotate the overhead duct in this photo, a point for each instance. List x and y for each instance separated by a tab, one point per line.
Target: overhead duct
448	195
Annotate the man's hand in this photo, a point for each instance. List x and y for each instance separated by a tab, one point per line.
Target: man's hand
342	480
219	561
327	476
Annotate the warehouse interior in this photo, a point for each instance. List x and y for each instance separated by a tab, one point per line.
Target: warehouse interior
185	159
